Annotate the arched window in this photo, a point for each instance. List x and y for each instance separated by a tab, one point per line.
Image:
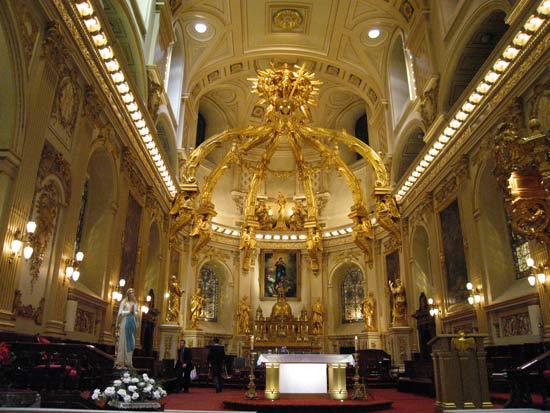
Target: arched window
520	250
413	146
174	76
476	52
209	283
362	131
400	78
201	130
353	294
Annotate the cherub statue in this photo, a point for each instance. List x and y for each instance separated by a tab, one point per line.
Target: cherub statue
362	235
203	230
247	244
182	212
388	216
263	216
298	217
314	247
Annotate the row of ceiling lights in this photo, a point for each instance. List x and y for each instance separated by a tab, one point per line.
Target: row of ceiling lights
112	65
284	237
533	24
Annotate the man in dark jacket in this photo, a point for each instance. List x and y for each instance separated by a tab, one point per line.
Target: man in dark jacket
216	358
183	367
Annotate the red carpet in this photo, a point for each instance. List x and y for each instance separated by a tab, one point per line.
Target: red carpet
208	399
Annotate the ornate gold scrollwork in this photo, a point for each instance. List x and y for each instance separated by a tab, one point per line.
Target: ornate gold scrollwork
288	93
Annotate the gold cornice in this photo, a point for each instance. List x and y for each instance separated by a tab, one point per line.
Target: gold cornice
79	35
496	93
481	121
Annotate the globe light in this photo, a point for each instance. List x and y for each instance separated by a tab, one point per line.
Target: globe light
27	252
469	286
16	245
374	33
471	300
541	277
122	282
76	276
148	298
200	27
69	271
79	256
430	301
531	280
144	309
31	227
530	262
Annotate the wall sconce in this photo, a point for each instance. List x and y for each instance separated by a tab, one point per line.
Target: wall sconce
475	294
434	310
22	241
71	270
538	274
117	294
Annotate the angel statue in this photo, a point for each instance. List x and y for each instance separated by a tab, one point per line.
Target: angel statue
182	212
203	230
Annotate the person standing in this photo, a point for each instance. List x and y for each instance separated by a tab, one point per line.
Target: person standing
183	367
216	358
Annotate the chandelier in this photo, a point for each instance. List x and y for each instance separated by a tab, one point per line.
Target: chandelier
287	93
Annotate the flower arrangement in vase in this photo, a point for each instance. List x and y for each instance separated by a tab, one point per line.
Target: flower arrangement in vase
132	392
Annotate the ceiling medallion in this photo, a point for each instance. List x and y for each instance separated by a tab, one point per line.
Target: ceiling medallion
287	19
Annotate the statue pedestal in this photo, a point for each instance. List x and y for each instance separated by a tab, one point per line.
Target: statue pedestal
373	340
169	341
460	372
194	338
398	344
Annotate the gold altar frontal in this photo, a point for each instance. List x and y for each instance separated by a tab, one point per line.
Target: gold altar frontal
336	365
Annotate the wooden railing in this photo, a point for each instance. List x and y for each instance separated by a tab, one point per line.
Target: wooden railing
528	378
57	366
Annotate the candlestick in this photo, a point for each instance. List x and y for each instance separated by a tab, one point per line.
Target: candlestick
252	342
356	343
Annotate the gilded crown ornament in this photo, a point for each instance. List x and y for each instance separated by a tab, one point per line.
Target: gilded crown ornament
287	92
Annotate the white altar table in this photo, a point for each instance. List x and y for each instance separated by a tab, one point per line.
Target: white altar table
306	373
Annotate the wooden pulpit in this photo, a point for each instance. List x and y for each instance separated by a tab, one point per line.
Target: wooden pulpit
460	372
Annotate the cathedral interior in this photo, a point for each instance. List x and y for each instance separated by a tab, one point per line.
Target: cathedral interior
325	177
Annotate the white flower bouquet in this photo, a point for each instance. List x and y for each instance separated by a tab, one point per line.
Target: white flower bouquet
131	390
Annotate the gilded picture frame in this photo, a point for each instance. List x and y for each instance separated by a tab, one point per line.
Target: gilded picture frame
276	265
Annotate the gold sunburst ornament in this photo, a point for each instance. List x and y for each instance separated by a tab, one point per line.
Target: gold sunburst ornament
288	92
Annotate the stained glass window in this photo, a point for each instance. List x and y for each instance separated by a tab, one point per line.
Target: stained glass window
209	284
520	252
353	295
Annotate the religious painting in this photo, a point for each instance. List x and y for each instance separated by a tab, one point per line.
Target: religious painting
392	265
456	270
130	241
278	266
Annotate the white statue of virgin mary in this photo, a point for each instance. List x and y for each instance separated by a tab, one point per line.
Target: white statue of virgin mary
126	325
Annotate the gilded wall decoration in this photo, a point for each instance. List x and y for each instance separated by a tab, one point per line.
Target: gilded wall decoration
92	108
406	9
53	163
455	268
287	20
428	103
66	104
154	92
85	321
516	325
28	28
46	214
27	311
137	183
